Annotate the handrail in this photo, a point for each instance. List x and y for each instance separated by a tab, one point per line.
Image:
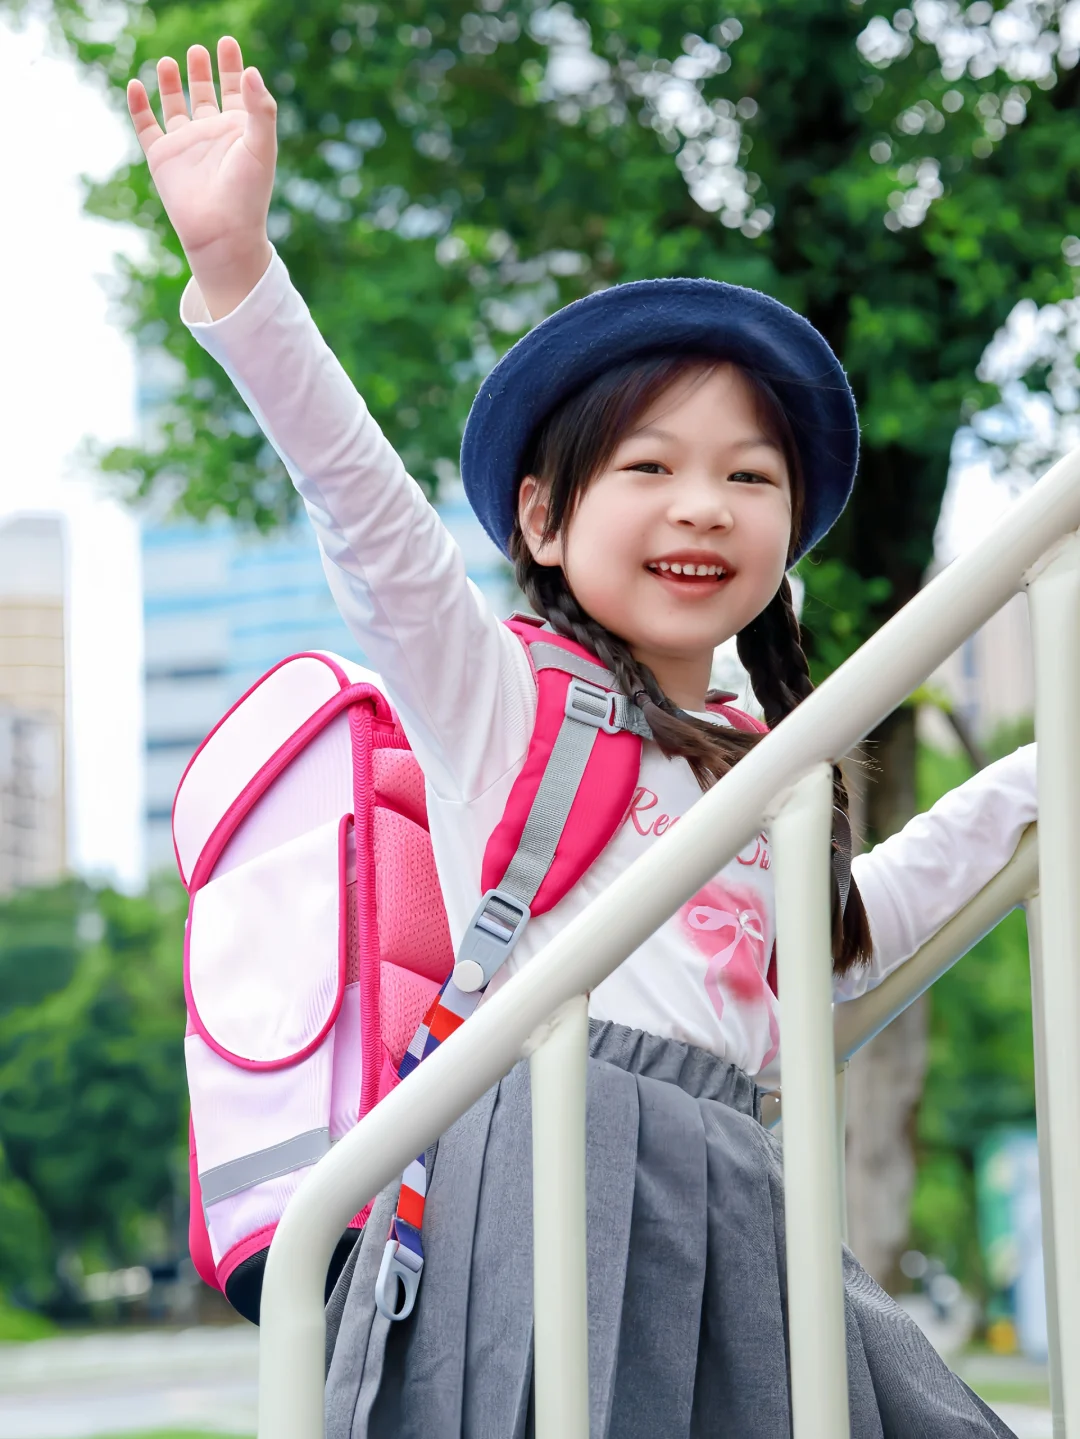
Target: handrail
857	1021
827	725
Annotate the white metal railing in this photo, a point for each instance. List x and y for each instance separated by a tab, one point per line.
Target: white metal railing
541	1011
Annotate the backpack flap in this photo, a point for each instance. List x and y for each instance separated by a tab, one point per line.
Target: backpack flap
265	977
265	966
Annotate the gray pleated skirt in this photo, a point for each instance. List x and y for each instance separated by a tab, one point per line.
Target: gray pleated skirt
687	1304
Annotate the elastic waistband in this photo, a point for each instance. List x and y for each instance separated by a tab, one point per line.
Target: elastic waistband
699	1073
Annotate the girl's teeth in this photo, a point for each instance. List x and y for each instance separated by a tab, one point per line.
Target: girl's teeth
697	571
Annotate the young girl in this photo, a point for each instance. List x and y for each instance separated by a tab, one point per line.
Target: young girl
653	459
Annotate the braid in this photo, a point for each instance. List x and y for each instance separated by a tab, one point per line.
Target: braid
770	648
771	651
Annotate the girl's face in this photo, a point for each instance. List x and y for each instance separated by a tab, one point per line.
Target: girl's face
683	537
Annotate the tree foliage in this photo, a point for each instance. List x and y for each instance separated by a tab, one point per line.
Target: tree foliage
92	1095
981	1071
452	170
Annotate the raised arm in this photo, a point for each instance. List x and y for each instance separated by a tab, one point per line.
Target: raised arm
459	679
915	881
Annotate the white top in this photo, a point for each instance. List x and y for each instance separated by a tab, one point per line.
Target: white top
466	699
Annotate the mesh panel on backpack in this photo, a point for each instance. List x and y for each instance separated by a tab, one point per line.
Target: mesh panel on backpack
399	783
413	931
415	951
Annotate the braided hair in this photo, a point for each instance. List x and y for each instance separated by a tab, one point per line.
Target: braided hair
571	447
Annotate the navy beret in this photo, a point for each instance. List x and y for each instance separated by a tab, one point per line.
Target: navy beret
646	317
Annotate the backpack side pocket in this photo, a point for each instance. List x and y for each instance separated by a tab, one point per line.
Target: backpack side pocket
265	976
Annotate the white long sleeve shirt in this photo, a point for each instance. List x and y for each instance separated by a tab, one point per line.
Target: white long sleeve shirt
466	698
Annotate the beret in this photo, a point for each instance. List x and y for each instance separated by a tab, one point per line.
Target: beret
647	317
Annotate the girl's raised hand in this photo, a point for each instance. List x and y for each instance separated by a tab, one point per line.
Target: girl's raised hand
213	168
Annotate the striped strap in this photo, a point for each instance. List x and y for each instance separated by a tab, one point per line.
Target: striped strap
403	1253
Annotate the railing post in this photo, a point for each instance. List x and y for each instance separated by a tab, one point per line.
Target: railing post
799	835
557	1069
1046	1192
1054	594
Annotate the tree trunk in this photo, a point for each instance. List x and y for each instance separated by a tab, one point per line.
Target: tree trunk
885	1079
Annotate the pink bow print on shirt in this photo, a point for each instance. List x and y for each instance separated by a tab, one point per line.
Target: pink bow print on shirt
725	925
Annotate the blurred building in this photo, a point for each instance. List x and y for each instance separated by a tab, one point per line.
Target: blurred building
989	680
220	607
33	701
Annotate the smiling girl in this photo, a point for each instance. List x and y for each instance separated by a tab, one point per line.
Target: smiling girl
653	459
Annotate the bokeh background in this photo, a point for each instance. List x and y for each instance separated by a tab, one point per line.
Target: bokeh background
450	172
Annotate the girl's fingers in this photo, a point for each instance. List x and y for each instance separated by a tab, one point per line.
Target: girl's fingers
260	131
147	128
174	110
240	90
201	90
230	64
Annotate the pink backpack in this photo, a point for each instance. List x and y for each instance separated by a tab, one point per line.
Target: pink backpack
318	960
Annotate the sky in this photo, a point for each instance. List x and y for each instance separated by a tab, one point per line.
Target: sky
68	373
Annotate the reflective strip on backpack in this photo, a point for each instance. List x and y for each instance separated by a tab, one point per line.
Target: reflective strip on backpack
225	1180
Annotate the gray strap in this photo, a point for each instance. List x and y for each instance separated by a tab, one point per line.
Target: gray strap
628	716
238	1174
550	809
551	657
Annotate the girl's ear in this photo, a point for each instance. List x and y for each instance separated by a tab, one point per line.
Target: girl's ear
533	517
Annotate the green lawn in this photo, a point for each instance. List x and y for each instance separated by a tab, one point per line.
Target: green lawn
1004	1392
18	1326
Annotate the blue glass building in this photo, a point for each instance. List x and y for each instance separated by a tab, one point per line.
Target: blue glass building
221	606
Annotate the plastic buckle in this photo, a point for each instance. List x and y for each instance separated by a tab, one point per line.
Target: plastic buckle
392	1271
488	940
591	705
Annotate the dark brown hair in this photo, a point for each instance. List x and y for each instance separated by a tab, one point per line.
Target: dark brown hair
569	449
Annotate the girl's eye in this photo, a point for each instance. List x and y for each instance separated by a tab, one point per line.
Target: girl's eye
749	477
650	467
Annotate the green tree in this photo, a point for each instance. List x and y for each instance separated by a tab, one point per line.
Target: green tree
92	1094
980	1071
448	174
451	170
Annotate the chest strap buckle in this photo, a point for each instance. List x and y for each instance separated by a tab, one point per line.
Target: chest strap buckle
493	931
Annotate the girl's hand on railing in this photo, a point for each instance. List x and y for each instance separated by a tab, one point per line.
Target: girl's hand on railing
213	168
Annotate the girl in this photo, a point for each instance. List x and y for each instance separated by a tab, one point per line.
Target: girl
653	459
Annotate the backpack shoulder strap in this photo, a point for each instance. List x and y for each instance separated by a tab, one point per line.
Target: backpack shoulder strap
572	793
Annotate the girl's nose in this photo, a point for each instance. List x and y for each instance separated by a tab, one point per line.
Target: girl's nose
702	504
